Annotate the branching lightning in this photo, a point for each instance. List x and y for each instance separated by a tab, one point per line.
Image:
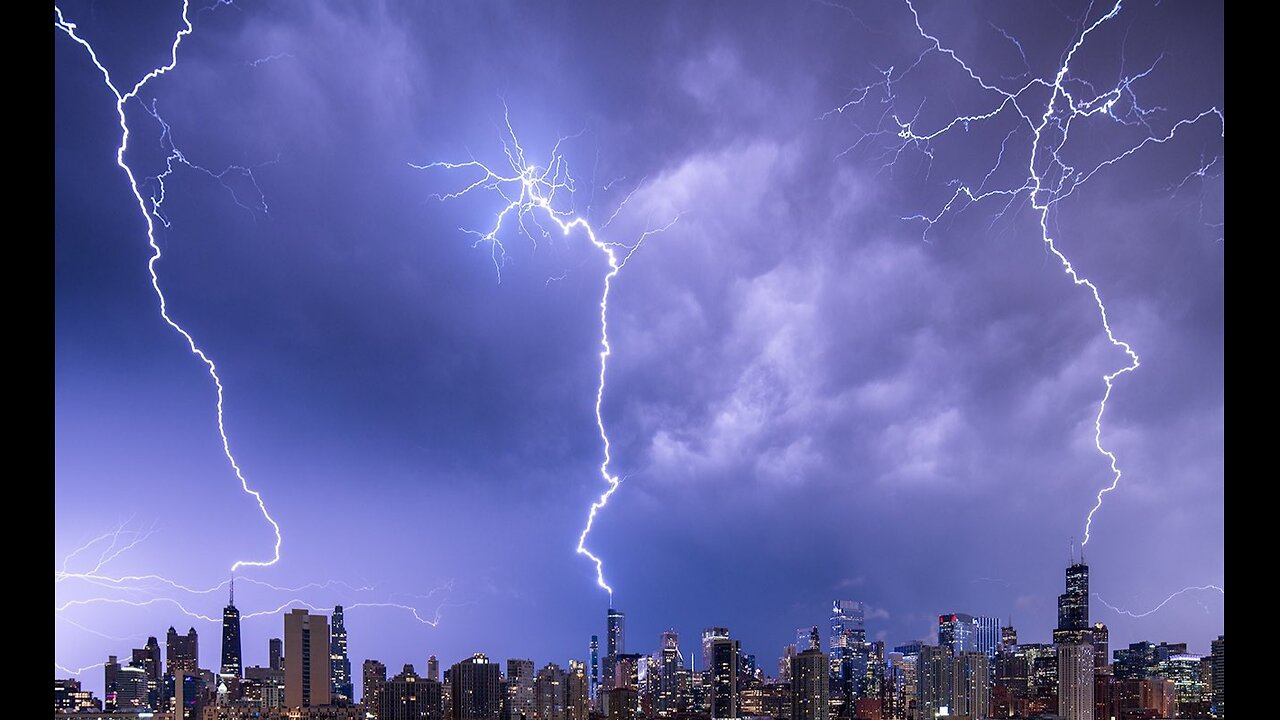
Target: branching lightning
1193	588
530	193
122	100
1049	178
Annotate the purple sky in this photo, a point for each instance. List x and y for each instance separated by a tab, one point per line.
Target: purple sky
809	397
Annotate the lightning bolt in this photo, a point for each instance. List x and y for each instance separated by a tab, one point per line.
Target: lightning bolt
1193	588
1049	178
529	193
122	99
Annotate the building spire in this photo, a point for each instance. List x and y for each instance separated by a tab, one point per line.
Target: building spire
232	600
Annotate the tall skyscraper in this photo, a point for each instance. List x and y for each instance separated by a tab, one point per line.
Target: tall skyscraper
550	693
708	636
935	680
521	701
672	678
232	667
306	671
848	645
615	643
1219	677
809	684
473	689
182	653
373	681
1101	637
971	693
1073	607
341	688
433	668
110	683
147	657
577	703
724	677
1074	641
275	654
595	667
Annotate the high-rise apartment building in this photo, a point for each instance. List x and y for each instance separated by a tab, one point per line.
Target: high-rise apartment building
307	667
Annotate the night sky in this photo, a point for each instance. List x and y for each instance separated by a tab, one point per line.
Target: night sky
809	396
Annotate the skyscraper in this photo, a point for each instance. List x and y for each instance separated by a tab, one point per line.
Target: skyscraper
409	696
967	633
182	653
1219	678
550	693
848	645
147	657
433	668
615	643
373	681
1074	641
672	678
577	703
724	677
306	673
341	686
809	684
110	683
275	654
232	668
521	701
473	689
709	635
595	667
1101	645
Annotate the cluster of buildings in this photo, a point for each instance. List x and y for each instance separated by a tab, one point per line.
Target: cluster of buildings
977	670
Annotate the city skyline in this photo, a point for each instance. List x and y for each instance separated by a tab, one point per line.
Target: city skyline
809	397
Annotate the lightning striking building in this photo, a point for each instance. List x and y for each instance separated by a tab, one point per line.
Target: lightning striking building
1073	640
232	668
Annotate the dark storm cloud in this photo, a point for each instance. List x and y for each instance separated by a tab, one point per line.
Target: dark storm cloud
808	397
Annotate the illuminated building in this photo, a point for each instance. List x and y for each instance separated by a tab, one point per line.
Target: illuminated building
341	687
724	677
1219	665
809	684
306	649
577	700
521	701
473	689
409	696
373	682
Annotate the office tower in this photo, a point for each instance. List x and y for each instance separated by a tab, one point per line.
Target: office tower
1219	684
577	701
724	677
1008	637
595	668
708	635
110	683
1101	645
1073	607
971	693
408	696
1075	681
615	637
341	687
131	687
68	696
549	690
231	667
1074	641
373	682
147	657
809	684
934	680
848	645
623	703
182	653
473	689
306	673
785	661
967	633
433	668
275	653
521	701
671	677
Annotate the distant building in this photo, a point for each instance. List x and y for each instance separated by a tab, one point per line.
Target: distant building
409	696
433	668
615	643
231	668
275	653
473	689
595	668
148	658
373	682
622	702
672	679
577	692
966	633
182	653
848	646
69	697
809	686
307	669
724	677
1219	684
521	701
1101	645
341	686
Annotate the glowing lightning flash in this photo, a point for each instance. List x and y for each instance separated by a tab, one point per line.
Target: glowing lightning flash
526	191
122	100
1163	603
1049	178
